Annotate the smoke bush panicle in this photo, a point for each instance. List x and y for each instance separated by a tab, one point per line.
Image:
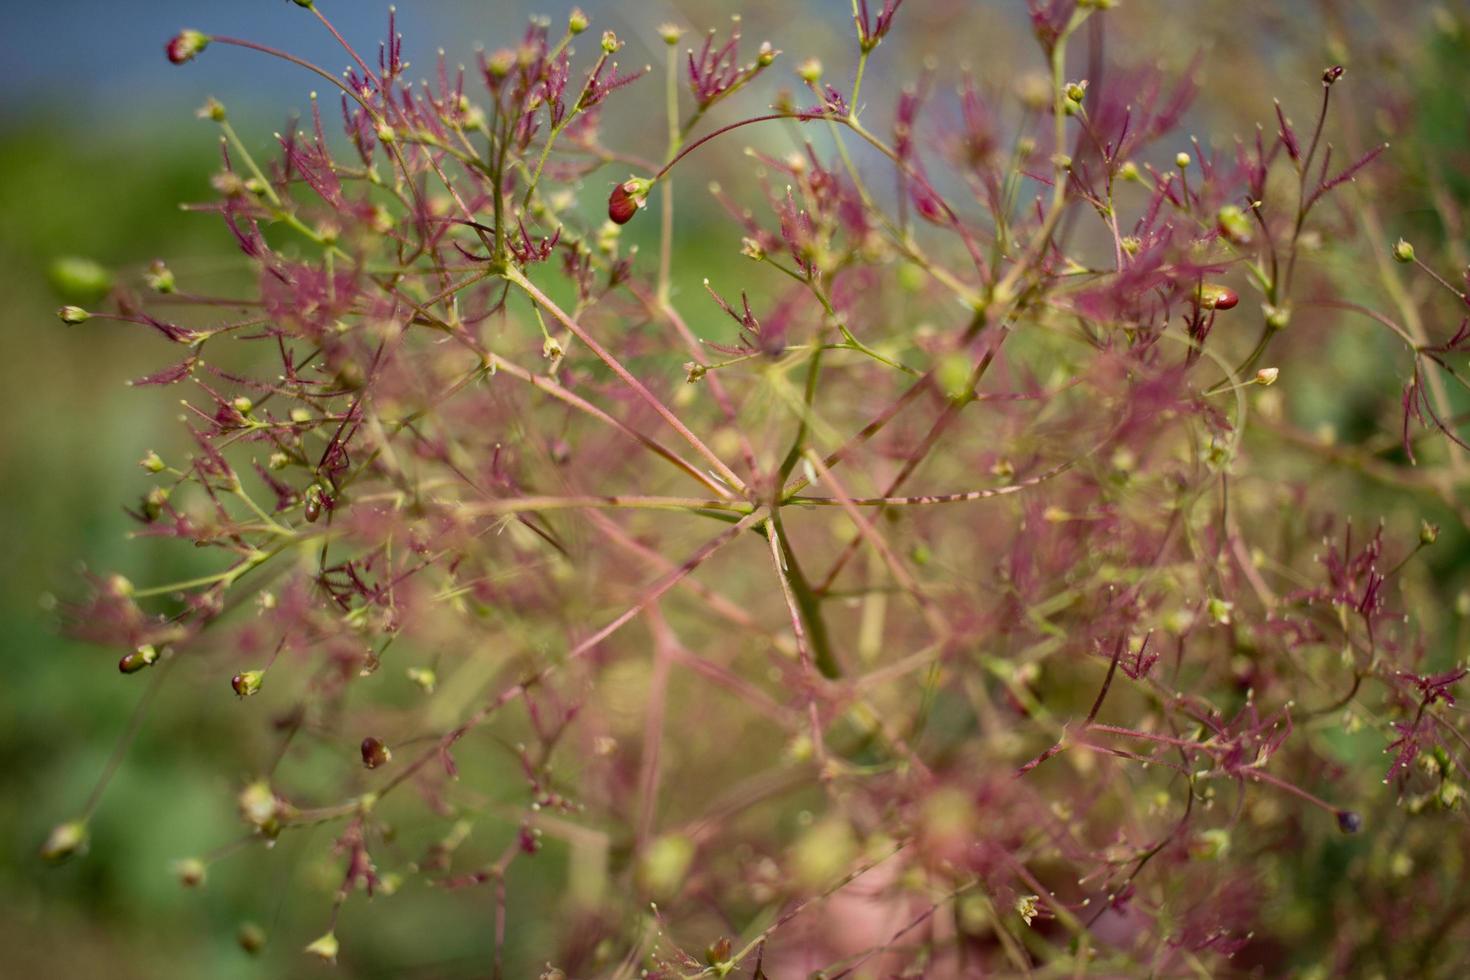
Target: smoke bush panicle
951	614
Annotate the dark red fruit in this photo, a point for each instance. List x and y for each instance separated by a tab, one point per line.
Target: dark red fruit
621	205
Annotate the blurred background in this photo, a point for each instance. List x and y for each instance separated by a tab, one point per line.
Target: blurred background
98	147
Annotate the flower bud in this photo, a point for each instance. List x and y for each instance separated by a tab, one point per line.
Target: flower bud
73	315
809	71
1267	376
228	183
1428	533
325	946
375	753
1403	251
313	506
718	951
577	21
67	840
766	54
1277	317
620	206
626	199
159	277
190	872
1219	610
1332	74
662	867
1349	822
145	656
260	808
953	374
1212	844
79	280
610	42
251	937
1233	224
1215	297
1181	160
183	46
247	683
423	677
670	33
212	109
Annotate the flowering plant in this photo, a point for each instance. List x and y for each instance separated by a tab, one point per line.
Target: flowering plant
950	602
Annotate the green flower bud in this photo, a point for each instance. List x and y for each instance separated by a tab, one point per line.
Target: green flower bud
718	952
159	277
953	374
423	677
1219	611
251	938
79	280
1233	224
1277	317
247	682
190	872
663	865
145	656
1213	844
260	807
326	946
67	840
1428	533
1403	251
